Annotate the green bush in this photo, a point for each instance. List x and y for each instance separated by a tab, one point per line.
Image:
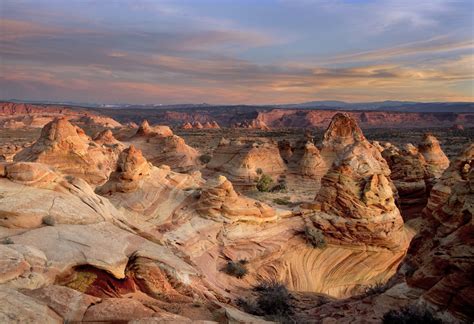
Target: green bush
315	237
205	158
264	184
237	269
410	315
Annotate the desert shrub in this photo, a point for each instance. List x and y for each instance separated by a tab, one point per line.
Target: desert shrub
48	220
376	289
273	301
205	158
282	201
264	184
259	171
315	237
7	240
410	315
237	269
273	298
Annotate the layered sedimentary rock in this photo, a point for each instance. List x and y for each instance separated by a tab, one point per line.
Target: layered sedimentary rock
342	132
106	137
356	199
312	164
408	173
367	119
19	115
197	125
243	161
434	156
47	196
441	256
160	146
153	192
67	148
219	201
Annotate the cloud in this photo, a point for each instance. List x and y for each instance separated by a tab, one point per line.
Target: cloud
158	51
431	46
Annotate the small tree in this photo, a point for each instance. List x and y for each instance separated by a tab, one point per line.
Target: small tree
264	184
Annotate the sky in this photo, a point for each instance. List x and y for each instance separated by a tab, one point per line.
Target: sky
236	51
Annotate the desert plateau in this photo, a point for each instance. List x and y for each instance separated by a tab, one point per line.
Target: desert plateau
237	162
106	220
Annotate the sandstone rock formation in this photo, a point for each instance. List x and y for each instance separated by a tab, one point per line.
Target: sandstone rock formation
46	194
342	132
197	125
67	148
19	115
434	156
252	124
211	125
408	173
187	125
94	120
242	161
219	201
356	199
312	164
149	191
160	146
303	118
441	256
106	137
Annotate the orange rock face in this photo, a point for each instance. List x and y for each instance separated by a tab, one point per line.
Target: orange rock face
408	173
356	199
241	160
220	201
160	146
67	148
442	254
434	156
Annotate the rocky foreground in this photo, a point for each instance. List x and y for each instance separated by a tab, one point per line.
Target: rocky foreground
140	228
